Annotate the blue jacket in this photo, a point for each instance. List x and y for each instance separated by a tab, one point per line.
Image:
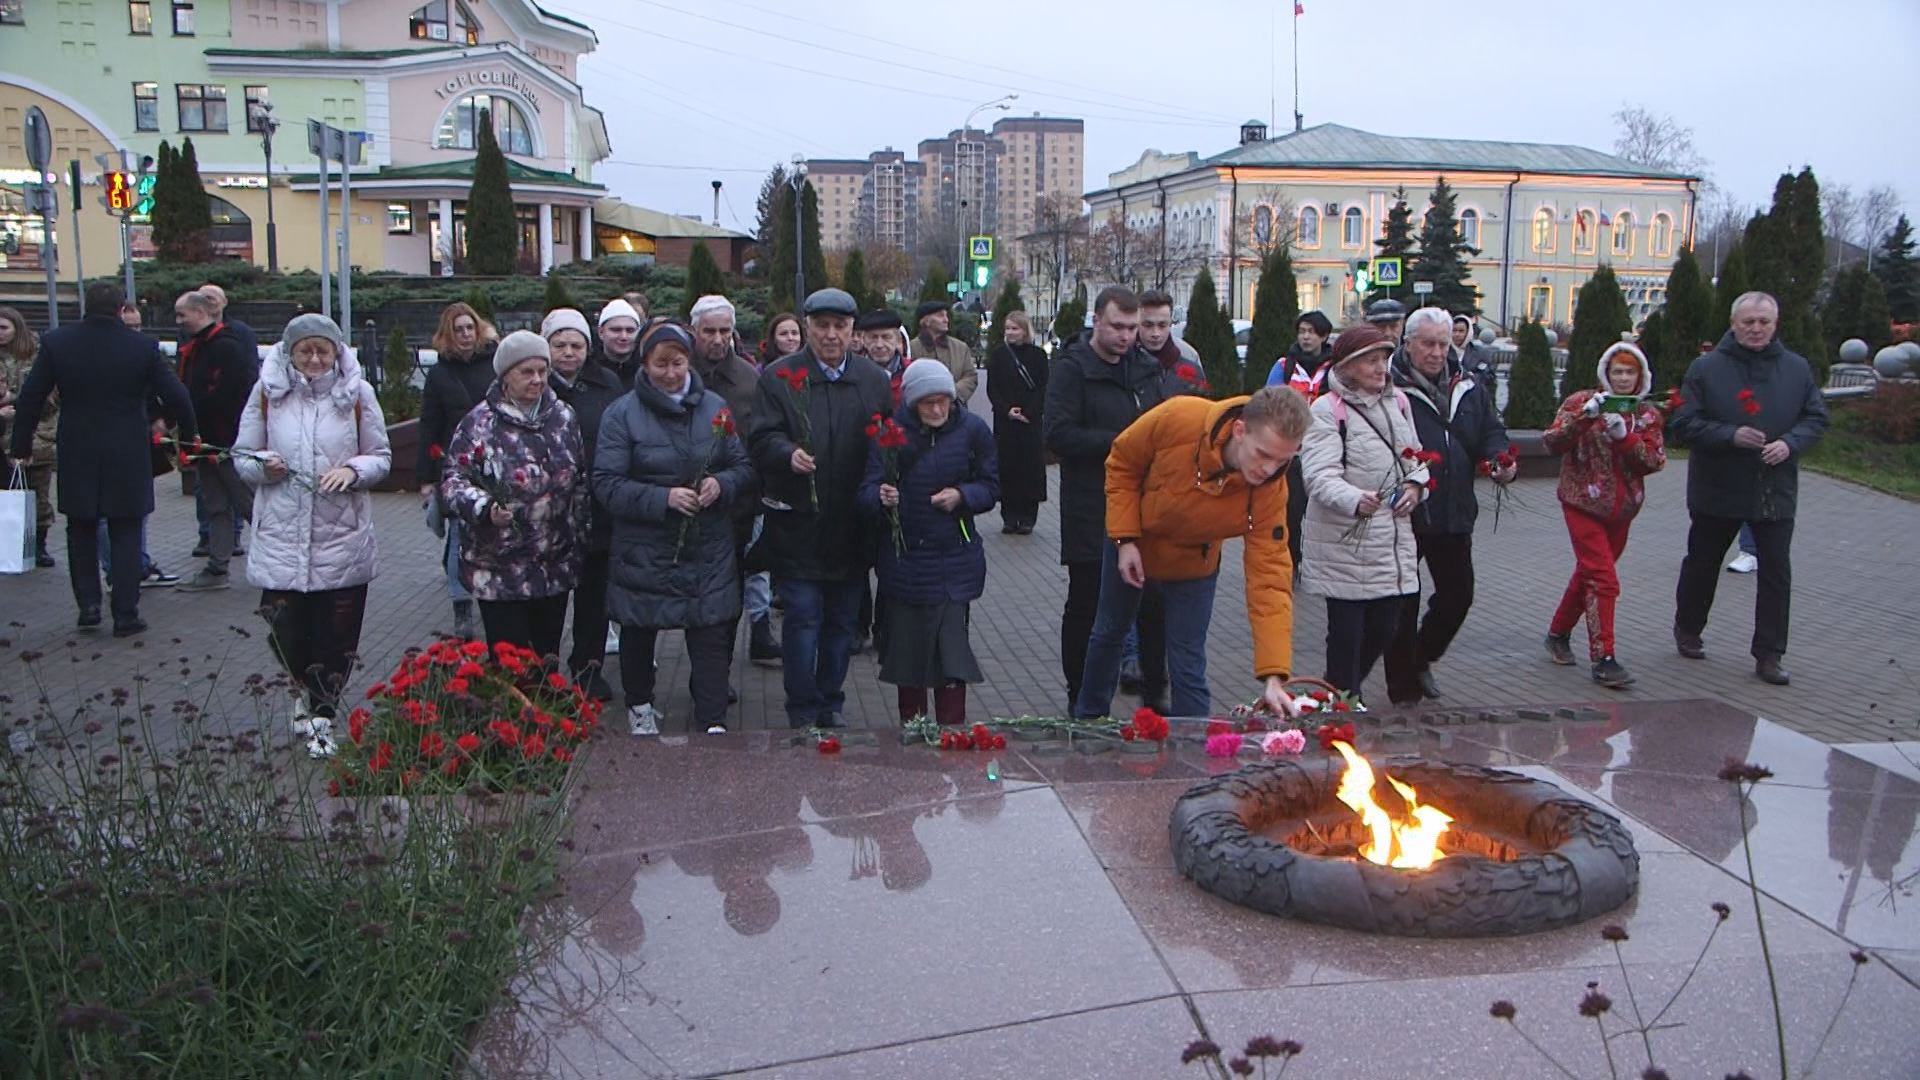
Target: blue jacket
943	560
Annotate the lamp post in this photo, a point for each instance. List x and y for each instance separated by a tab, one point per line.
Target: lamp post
263	115
1003	104
798	179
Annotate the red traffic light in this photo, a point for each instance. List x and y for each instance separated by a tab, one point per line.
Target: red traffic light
122	191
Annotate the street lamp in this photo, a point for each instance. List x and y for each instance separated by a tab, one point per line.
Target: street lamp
798	178
1003	104
263	115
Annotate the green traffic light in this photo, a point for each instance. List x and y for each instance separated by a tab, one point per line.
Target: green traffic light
981	275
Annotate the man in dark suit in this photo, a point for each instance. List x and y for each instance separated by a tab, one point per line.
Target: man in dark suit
105	374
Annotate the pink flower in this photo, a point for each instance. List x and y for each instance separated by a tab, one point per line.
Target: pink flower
1283	742
1224	745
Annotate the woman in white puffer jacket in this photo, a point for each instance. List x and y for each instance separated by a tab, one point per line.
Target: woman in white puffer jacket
312	443
1364	478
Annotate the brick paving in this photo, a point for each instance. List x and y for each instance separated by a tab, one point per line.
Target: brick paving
1856	597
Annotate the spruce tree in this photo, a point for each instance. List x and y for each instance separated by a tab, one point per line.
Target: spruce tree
1734	283
703	278
1530	400
780	259
1398	243
853	278
1444	254
1276	308
1210	333
767	210
1599	319
934	286
196	210
558	295
1856	308
1786	258
164	219
182	216
1007	302
399	398
813	255
1657	341
493	232
1070	321
1899	274
1685	321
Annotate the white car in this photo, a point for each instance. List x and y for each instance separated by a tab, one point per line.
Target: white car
1242	330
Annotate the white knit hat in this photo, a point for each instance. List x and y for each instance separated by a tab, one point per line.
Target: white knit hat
619	309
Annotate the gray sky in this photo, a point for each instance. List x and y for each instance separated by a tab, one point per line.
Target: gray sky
716	86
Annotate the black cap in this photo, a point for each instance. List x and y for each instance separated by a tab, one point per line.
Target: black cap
883	319
928	307
829	302
1381	311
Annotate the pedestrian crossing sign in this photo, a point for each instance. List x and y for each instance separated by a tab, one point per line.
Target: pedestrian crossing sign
980	248
1386	273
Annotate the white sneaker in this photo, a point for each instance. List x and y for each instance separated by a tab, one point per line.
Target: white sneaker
302	721
716	729
613	639
642	720
1743	563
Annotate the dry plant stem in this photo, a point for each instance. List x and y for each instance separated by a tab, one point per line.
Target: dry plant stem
1708	944
1852	978
1632	1002
1606	1049
1759	919
1542	1051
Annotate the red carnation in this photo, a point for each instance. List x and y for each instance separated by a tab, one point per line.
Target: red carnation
451	767
829	745
468	743
999	742
435	453
432	744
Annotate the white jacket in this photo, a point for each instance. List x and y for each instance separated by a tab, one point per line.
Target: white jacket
304	541
1343	462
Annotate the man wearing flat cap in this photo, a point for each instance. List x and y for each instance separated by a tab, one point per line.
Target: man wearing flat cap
884	342
1389	317
809	444
934	319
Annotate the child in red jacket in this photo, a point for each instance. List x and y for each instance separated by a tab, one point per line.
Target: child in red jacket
1611	439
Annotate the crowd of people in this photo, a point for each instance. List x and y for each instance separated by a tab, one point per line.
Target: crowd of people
652	475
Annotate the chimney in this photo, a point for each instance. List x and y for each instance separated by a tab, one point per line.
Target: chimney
1253	131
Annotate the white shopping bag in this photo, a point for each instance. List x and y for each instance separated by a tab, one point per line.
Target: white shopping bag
16	525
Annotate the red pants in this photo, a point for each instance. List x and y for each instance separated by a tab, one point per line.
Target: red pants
1597	544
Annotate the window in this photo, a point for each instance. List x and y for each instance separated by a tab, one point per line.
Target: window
511	128
1543	230
1623	234
1662	239
1263	224
146	106
1470	227
432	23
1539	302
256	97
13	13
1353	228
182	18
1309	231
1583	232
399	219
202	108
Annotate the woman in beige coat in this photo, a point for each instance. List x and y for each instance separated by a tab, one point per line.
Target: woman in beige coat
1364	478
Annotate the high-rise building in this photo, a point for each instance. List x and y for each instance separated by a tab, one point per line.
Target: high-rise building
963	172
890	201
1044	157
836	184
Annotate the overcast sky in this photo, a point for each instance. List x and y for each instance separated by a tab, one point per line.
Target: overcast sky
722	89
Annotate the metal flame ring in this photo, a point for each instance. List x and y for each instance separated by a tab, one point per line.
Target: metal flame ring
1563	860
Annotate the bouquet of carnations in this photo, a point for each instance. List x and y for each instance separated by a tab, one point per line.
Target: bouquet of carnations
191	452
796	380
1413	466
723	430
890	438
1502	492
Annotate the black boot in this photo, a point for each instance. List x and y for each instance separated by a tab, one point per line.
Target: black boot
41	558
762	646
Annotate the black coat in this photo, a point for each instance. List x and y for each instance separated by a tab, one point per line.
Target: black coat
454	387
830	542
738	385
105	374
1722	479
623	373
219	371
1017	378
941	558
589	396
1089	401
648	444
1465	429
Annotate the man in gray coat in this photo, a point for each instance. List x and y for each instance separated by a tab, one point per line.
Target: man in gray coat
1748	409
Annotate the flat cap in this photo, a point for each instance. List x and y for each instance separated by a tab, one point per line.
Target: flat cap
830	302
928	307
883	319
1386	311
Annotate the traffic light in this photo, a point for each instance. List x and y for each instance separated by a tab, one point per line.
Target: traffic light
122	191
982	273
145	191
1362	279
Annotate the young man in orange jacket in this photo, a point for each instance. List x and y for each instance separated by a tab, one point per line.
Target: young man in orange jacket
1183	479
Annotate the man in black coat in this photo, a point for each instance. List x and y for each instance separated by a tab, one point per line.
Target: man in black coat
616	350
723	372
1748	410
219	372
1100	383
105	375
809	444
1454	414
588	389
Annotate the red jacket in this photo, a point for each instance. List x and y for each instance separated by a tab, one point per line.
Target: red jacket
1600	476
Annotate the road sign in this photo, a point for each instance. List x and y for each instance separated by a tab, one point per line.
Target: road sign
1422	288
980	248
1386	273
38	140
122	191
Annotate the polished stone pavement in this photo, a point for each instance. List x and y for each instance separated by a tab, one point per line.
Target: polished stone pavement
747	906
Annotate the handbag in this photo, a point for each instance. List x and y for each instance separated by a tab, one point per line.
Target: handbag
16	525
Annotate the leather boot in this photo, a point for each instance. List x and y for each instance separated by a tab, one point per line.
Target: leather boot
950	705
913	702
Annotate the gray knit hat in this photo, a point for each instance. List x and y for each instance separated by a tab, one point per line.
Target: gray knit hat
924	378
565	318
517	348
311	325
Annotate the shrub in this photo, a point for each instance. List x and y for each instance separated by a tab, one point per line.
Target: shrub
1530	400
399	398
1891	414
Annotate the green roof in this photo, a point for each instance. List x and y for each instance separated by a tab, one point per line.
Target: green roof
1339	147
463	170
333	54
556	17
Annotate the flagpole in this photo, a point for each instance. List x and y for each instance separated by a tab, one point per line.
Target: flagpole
1273	106
1297	119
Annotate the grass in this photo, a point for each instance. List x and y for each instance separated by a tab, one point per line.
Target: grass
1849	453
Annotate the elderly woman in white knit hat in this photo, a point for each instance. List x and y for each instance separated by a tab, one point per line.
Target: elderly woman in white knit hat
589	390
516	476
311	443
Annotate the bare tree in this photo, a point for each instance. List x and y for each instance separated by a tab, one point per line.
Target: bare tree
1657	142
1056	249
1263	234
1720	222
1877	213
1841	209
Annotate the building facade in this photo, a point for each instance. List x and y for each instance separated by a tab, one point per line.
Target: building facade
1545	217
414	78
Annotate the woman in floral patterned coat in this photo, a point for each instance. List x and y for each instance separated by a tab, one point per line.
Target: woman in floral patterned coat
516	477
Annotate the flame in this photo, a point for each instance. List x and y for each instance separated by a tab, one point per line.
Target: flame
1409	844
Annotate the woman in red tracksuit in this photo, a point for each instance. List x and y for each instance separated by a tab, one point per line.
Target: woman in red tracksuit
1608	452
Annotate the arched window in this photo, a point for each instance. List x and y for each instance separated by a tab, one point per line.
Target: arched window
1263	224
1583	232
1309	230
511	128
1543	230
1353	228
444	20
1662	234
1623	234
1470	227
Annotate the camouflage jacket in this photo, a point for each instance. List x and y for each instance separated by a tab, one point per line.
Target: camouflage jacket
536	467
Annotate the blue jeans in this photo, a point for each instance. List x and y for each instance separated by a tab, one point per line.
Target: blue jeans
1747	543
455	589
759	588
1189	614
146	561
816	645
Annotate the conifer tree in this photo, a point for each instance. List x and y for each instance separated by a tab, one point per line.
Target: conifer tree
1070	321
493	231
399	398
1733	283
480	301
1008	301
558	295
182	216
1276	308
853	278
779	259
1210	333
1396	243
767	210
1444	254
813	255
934	286
1857	308
1599	319
703	278
1899	274
1530	398
1685	321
